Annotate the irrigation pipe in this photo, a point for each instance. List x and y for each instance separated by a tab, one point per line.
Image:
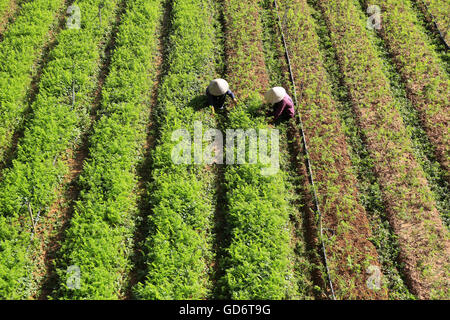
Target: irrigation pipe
308	161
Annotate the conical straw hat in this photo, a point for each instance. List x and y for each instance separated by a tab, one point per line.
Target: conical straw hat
218	87
275	95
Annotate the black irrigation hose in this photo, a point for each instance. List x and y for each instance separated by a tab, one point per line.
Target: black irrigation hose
433	20
308	161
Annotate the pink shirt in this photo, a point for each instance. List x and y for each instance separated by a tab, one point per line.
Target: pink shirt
284	106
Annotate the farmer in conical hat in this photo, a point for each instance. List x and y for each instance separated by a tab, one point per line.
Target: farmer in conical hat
216	93
283	106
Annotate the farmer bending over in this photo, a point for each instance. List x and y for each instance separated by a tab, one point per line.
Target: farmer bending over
216	93
283	106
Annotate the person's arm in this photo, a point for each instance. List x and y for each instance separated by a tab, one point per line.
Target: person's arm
290	106
231	94
279	110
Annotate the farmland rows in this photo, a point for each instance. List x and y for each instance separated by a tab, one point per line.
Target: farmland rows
258	261
60	112
426	82
99	238
424	151
410	205
370	196
426	23
19	51
349	250
438	10
179	245
89	177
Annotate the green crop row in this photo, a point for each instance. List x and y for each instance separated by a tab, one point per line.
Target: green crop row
99	238
179	245
63	104
408	199
257	263
19	50
241	66
426	82
349	249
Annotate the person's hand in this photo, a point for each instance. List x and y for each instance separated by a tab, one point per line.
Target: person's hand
234	103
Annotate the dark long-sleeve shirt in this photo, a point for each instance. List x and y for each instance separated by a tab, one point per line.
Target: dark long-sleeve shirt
285	107
218	101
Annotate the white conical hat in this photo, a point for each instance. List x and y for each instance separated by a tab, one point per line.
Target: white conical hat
218	87
275	95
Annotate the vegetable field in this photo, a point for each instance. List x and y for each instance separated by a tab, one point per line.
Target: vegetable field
118	180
